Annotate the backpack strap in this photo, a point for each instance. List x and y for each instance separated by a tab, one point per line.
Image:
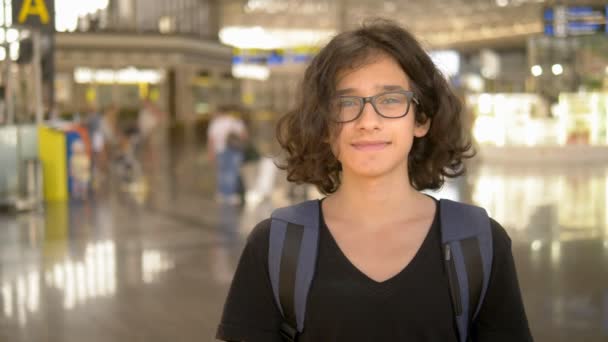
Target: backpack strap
292	258
467	240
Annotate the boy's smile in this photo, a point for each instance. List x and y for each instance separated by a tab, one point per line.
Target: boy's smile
370	145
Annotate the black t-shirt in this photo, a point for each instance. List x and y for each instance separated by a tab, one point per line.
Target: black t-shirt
346	305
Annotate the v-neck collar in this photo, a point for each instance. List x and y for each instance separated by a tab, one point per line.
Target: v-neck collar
360	274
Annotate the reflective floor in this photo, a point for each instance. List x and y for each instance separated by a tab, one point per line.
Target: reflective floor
151	261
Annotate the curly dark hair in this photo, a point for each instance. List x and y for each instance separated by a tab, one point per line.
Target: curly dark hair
305	132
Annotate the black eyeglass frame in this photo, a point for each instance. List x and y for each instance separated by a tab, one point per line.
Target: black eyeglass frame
411	97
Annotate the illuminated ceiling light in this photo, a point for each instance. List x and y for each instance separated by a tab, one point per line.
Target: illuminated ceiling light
448	61
557	69
122	76
502	3
268	6
83	75
490	63
263	38
474	83
251	71
104	76
133	75
12	35
14	51
536	70
166	24
248	37
485	103
67	12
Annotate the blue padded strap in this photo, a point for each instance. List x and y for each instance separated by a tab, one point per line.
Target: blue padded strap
278	230
462	320
468	231
304	215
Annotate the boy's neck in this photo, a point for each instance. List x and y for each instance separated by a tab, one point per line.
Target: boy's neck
369	200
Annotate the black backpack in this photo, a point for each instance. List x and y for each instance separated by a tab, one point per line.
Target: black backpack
294	236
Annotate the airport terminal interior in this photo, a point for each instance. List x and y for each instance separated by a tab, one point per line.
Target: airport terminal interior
115	226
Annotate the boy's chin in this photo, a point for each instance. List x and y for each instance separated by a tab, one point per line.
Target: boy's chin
371	172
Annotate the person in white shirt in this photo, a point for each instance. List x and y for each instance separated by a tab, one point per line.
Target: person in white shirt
225	137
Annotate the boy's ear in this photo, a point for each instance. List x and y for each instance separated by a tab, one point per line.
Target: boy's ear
422	129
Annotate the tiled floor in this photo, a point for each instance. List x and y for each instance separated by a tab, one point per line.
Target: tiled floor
153	263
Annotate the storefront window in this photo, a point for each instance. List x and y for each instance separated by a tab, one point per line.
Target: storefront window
532	120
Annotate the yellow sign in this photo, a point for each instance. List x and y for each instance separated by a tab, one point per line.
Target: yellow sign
91	95
33	12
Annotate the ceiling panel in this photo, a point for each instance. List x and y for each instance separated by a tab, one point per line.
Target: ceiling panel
439	23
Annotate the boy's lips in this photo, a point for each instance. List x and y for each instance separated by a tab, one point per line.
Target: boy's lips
372	145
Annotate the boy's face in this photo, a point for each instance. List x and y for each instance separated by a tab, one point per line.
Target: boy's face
373	146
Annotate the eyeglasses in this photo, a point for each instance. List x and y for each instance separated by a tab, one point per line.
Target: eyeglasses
391	105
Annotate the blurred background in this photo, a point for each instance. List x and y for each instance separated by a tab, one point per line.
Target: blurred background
126	198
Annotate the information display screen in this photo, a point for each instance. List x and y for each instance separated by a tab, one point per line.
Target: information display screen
563	21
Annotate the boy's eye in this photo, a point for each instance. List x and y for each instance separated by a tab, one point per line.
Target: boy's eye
348	102
392	99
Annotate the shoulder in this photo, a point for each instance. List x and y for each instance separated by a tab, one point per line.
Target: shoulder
258	239
500	238
260	233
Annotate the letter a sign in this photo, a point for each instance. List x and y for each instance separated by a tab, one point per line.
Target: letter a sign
34	13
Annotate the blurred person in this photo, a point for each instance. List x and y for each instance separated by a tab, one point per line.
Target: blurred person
129	142
80	170
109	127
263	185
147	119
120	139
94	123
150	120
106	141
376	124
226	138
94	126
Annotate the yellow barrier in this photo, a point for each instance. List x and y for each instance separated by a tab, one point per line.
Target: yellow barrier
52	151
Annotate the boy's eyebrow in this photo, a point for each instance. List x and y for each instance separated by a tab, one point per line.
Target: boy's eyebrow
386	87
345	91
391	87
